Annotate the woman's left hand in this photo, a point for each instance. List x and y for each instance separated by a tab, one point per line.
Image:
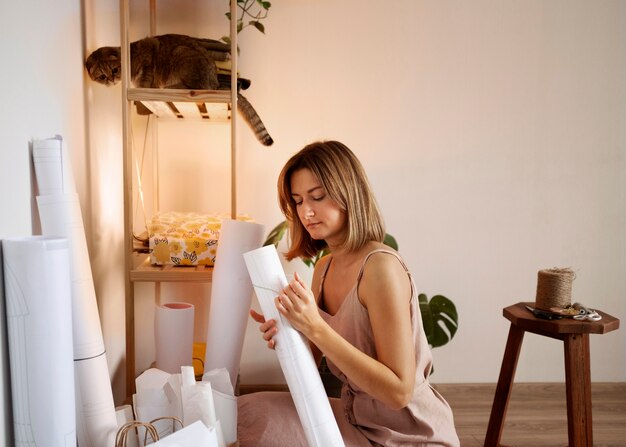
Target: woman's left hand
297	303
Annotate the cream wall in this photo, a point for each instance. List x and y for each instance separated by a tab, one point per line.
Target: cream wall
492	133
41	49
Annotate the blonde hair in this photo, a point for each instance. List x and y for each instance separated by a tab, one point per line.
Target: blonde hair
344	179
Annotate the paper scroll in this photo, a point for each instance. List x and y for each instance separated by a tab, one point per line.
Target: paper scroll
294	353
231	296
39	321
60	214
173	334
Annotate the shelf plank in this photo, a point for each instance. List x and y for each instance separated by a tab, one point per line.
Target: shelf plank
188	109
160	108
178	95
146	272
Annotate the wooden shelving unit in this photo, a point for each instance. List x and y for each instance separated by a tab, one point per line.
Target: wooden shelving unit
202	105
146	272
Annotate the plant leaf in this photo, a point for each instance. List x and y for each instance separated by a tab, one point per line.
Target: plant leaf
440	312
258	25
276	234
390	241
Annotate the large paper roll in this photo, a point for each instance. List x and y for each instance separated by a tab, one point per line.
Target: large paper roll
53	173
173	334
38	299
231	296
60	214
294	353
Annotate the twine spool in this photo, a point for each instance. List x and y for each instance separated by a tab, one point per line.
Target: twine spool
554	288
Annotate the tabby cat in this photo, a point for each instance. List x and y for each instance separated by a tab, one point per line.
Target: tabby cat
175	61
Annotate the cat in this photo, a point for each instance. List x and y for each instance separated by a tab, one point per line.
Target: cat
175	61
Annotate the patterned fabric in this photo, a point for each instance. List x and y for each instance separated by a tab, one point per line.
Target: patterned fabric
178	238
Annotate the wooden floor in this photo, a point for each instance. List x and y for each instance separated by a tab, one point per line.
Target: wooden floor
537	414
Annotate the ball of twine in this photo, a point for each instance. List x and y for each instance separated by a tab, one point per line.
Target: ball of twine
554	288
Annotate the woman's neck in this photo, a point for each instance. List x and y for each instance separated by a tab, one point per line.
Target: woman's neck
343	256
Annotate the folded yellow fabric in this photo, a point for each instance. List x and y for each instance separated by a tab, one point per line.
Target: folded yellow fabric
185	238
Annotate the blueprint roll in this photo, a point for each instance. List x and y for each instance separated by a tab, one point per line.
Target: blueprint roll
60	214
231	296
173	336
294	353
39	322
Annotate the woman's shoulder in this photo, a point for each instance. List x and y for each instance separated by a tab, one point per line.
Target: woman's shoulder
383	273
380	259
381	253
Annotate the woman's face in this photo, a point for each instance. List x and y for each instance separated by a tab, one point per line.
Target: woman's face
321	216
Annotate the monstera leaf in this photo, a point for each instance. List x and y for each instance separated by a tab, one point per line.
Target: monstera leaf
439	318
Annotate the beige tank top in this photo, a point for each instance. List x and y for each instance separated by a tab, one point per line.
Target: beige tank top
427	420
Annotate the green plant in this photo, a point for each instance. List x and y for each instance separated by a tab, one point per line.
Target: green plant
251	12
437	313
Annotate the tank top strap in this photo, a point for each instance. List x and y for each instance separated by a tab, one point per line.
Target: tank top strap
382	250
323	277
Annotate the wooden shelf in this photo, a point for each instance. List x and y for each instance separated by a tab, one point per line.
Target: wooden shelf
182	103
146	272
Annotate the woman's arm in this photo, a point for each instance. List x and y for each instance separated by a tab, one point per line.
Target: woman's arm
385	291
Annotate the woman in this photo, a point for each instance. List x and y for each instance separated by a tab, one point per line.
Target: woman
361	314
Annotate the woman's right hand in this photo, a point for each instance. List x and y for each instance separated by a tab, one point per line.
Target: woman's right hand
268	328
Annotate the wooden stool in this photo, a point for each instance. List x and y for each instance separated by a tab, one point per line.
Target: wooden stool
575	335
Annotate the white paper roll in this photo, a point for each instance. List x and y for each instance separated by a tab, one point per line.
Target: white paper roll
60	215
173	334
294	353
52	168
38	299
231	296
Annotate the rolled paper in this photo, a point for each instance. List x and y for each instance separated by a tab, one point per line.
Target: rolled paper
38	306
96	423
294	353
61	216
53	173
231	296
173	333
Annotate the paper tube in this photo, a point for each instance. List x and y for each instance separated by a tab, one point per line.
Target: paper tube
173	333
53	173
38	303
231	296
294	353
60	215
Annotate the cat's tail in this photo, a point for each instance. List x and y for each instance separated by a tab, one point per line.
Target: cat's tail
254	120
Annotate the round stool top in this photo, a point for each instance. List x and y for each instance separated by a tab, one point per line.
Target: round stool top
520	316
